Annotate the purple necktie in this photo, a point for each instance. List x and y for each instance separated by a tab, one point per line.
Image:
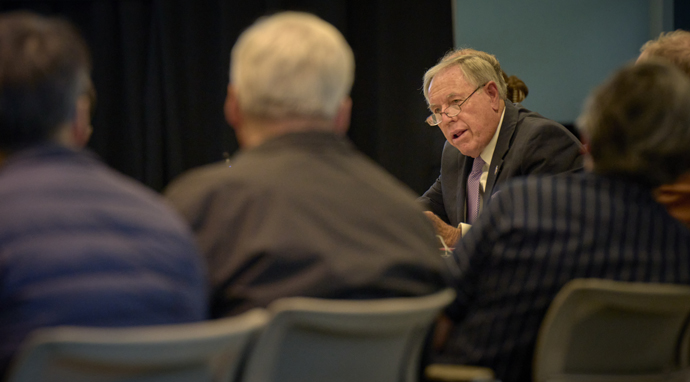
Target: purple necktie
473	190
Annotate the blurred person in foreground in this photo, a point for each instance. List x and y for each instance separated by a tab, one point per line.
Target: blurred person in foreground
298	211
540	232
79	243
489	140
674	47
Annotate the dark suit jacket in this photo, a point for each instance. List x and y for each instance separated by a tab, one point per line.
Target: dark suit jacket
537	234
527	144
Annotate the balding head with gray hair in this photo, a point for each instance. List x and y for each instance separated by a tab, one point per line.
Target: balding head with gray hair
289	65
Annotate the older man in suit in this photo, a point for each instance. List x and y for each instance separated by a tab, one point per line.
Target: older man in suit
541	232
489	139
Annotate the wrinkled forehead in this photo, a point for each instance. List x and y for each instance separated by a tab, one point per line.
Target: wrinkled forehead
448	83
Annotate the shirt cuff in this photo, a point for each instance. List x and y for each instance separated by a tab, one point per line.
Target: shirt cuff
464	227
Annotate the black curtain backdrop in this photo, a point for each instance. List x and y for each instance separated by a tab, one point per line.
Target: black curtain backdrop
161	70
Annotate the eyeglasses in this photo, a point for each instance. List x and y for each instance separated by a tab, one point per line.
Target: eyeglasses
451	111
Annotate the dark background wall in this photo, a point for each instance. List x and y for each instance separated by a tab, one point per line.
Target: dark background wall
160	68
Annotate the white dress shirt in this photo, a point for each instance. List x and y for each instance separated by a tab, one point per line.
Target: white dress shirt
486	156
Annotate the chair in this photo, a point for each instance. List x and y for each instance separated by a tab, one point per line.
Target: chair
310	339
458	373
603	330
205	351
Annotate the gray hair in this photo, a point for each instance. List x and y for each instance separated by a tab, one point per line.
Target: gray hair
478	68
291	64
638	124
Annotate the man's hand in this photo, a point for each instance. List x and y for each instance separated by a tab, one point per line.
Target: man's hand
449	233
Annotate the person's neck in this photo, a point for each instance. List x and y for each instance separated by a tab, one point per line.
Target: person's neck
256	132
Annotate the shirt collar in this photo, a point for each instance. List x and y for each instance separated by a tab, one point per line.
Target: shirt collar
488	151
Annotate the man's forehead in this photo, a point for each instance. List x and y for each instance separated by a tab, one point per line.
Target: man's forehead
447	84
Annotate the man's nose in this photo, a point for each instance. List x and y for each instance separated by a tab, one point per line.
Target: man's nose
445	118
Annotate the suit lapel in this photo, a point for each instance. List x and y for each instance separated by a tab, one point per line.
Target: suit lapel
503	142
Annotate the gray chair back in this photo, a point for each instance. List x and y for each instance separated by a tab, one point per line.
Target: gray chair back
205	351
604	330
310	339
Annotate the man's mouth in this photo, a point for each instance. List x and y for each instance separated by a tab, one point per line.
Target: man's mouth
457	135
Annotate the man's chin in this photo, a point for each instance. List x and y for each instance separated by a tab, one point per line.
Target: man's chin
466	151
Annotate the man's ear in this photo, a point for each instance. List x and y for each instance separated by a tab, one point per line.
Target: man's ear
80	129
491	89
231	108
584	139
342	117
